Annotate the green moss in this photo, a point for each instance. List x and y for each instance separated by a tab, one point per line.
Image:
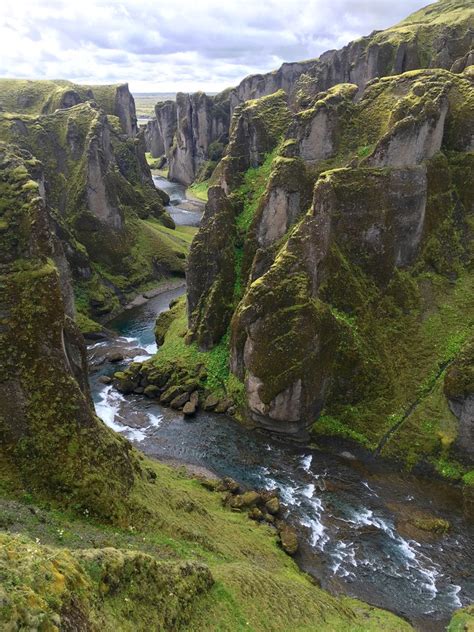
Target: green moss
178	356
199	190
158	569
468	478
248	194
329	426
462	620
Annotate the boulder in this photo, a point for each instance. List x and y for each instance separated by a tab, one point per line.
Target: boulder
245	500
125	382
105	379
229	485
223	405
151	391
116	356
189	409
210	402
272	506
288	538
256	514
179	401
171	393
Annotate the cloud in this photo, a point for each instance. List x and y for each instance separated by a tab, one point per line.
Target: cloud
190	45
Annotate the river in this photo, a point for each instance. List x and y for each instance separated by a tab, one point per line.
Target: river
350	510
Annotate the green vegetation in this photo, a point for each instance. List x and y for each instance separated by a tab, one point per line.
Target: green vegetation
462	621
199	190
177	354
249	193
154	163
113	250
190	561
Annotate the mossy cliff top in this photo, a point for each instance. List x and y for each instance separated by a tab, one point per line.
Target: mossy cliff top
23	96
257	127
437	36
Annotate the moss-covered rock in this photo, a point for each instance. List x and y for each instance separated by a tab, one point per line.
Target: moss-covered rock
45	97
211	272
257	127
48	427
110	217
56	589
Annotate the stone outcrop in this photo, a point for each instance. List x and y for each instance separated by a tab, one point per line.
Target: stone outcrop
256	131
45	97
211	272
166	122
200	122
346	212
459	390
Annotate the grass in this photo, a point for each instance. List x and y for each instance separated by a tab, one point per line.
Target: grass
49	554
176	351
252	189
199	190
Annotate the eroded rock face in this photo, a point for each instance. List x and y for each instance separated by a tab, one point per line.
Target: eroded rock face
463	62
210	272
153	139
256	86
200	122
46	97
436	37
376	220
46	418
412	140
99	162
316	130
258	126
166	121
97	180
124	108
459	390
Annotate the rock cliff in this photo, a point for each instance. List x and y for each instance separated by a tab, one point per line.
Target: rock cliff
353	235
108	212
438	36
45	97
47	425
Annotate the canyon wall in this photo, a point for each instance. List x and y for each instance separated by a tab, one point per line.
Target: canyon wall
439	36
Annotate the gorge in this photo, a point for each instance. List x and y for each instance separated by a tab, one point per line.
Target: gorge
237	391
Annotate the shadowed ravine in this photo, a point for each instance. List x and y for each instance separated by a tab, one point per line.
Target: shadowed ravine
352	515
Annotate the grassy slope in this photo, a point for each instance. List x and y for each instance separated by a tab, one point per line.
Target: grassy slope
257	587
199	190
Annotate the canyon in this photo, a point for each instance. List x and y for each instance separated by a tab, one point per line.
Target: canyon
311	393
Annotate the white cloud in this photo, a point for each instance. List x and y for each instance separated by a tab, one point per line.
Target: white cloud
190	45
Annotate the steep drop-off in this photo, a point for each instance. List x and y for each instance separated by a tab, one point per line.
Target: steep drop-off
107	211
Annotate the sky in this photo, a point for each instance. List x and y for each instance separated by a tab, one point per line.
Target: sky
169	46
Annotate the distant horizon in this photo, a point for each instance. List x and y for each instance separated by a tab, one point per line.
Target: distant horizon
167	49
